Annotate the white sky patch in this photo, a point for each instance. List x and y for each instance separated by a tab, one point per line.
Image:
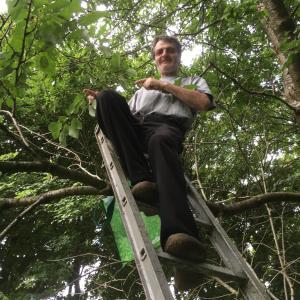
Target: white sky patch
85	272
3	6
188	56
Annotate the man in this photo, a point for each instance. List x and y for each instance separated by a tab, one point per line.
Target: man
155	123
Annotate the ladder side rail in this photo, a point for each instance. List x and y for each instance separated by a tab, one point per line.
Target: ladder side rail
153	278
254	289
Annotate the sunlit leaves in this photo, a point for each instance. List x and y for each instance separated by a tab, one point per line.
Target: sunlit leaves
92	17
18	36
8	156
55	128
63	127
17	9
115	62
10	102
74	128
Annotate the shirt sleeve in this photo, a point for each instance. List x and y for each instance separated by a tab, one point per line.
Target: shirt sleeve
202	86
133	102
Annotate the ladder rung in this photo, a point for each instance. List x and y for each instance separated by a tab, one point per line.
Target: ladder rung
202	268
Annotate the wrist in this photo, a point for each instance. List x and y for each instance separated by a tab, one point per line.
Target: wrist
164	85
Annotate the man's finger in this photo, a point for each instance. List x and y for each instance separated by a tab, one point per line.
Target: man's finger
141	81
90	99
89	92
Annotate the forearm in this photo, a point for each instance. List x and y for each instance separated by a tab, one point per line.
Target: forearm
194	99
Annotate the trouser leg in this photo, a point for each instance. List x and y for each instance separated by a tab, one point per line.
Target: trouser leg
124	131
164	147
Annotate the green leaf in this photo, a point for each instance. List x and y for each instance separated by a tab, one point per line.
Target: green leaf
10	102
51	32
39	3
75	105
115	61
1	118
18	36
132	72
17	12
77	34
105	50
73	132
72	7
8	156
92	17
44	63
62	119
6	71
178	81
25	193
55	128
76	123
74	128
63	135
190	86
58	5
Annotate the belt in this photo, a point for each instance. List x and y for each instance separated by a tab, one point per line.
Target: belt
180	122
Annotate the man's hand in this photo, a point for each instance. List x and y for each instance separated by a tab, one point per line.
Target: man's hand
91	95
151	83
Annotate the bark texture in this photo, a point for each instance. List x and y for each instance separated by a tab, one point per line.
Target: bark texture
280	28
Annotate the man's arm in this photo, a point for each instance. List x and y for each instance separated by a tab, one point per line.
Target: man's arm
194	99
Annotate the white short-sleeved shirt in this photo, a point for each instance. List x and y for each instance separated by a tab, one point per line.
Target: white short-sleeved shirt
146	102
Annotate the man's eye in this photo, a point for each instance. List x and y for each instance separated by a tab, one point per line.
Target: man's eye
170	50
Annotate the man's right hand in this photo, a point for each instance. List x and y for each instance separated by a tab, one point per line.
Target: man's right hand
91	95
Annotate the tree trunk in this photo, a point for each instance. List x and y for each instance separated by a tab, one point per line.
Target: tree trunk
280	28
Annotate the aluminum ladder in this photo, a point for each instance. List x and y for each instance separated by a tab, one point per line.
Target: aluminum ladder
146	258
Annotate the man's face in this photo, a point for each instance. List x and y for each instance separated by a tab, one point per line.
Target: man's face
167	59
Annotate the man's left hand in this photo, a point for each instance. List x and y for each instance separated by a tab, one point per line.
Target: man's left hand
151	83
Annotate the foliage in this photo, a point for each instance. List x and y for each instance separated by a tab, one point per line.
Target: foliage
51	50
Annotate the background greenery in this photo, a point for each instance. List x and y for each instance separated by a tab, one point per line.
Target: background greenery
248	148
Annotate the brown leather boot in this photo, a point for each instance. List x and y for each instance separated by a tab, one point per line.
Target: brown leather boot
186	247
146	195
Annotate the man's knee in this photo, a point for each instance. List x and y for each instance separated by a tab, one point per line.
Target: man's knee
108	98
160	139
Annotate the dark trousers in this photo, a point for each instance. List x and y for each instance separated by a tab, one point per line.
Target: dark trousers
162	141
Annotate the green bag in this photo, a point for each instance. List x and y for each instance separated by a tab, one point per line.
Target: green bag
152	225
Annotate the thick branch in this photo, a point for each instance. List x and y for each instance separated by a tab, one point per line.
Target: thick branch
254	202
44	166
46	197
52	195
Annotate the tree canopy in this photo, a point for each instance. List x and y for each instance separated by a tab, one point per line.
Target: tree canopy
243	156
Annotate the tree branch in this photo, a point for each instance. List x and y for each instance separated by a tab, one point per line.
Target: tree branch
253	202
45	166
46	197
52	195
263	94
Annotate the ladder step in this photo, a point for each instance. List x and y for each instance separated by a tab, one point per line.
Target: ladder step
202	268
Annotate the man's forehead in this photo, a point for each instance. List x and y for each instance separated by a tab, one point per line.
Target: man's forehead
163	44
